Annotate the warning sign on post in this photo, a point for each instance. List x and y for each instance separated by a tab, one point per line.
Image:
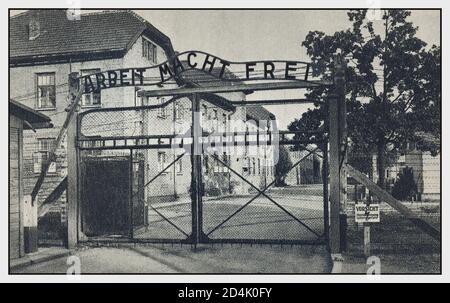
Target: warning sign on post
367	213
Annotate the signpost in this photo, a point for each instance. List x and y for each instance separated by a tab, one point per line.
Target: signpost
367	213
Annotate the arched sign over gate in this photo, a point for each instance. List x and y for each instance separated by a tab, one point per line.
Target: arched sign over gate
216	67
200	223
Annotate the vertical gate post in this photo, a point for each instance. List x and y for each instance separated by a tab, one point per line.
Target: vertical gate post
131	195
340	91
196	180
72	169
326	212
338	138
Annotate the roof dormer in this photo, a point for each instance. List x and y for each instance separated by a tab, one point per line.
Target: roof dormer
34	29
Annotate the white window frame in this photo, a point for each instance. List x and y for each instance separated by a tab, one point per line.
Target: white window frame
162	157
179	166
162	110
90	71
38	157
149	50
40	100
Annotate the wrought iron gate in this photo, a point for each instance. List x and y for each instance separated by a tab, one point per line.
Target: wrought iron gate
181	190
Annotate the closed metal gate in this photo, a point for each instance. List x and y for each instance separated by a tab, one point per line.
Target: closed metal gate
171	187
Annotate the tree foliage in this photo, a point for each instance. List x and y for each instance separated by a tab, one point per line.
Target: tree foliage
405	186
283	166
393	85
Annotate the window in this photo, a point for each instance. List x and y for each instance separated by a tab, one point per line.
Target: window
206	164
204	112
179	166
259	166
45	146
46	91
161	161
149	50
402	159
92	98
93	152
162	110
226	162
218	167
224	116
178	112
34	29
253	171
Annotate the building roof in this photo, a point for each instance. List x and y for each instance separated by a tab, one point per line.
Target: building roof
199	78
99	35
258	113
33	117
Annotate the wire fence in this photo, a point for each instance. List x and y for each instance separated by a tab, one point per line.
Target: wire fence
413	178
248	192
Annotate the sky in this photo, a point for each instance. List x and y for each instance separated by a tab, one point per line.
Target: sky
240	35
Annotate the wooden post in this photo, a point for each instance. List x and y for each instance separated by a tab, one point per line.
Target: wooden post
72	168
338	138
366	240
334	175
326	213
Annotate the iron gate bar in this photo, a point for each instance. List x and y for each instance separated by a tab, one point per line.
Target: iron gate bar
135	145
259	194
124	108
130	202
268	197
326	216
267	241
298	84
160	214
170	222
166	168
276	102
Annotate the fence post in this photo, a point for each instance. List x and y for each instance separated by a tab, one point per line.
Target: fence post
72	168
196	182
338	139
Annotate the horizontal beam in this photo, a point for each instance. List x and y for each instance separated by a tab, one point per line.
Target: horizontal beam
54	196
297	84
187	145
276	102
394	203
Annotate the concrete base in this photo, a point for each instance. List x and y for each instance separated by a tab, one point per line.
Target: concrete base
337	261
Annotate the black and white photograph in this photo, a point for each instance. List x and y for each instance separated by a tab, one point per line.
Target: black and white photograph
224	141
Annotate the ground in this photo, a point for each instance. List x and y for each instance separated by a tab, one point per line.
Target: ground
400	246
297	214
186	259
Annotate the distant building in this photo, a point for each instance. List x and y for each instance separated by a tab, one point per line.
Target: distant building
309	171
45	46
426	171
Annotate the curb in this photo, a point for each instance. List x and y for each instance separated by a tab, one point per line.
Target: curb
31	260
337	261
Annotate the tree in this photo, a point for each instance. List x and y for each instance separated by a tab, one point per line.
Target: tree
393	84
405	187
283	166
